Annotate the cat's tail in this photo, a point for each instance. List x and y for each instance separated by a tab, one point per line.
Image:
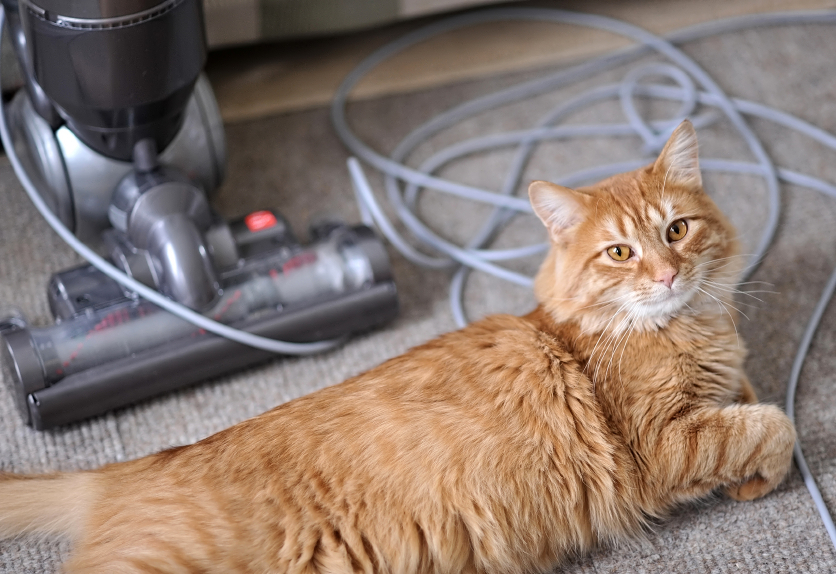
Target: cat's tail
45	504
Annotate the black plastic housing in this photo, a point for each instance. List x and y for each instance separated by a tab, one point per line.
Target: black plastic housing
116	79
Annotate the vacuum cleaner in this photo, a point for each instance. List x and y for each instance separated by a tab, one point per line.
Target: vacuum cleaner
122	137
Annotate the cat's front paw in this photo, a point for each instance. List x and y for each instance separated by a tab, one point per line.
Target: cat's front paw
772	457
749	490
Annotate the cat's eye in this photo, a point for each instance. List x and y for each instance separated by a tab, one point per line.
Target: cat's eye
619	252
677	230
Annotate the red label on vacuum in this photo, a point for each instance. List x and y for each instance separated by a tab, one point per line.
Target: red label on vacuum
304	258
258	220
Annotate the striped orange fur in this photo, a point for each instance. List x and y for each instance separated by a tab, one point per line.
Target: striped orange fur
502	447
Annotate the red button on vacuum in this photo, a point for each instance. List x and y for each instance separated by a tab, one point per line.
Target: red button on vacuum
258	220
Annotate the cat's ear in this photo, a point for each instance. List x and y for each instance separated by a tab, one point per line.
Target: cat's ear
679	162
559	208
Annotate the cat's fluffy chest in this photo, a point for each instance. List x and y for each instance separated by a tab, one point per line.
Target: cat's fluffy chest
701	354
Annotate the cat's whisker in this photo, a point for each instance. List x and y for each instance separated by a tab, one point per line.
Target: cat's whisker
724	262
724	259
621	333
758	299
627	322
600	359
751	283
630	332
732	306
722	294
604	331
613	347
736	285
750	305
732	276
714	270
612	341
607	302
732	290
741	303
723	307
742	292
631	315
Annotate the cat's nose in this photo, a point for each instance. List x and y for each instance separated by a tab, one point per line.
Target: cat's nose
666	277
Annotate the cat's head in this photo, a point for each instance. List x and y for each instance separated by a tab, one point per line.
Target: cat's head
642	246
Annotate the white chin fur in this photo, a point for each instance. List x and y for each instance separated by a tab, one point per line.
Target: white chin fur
665	304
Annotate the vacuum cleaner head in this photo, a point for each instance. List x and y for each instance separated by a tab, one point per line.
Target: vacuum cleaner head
109	348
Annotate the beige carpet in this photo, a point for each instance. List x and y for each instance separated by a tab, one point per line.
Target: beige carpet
294	163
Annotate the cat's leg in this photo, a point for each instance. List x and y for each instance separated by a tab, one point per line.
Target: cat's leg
748	489
745	448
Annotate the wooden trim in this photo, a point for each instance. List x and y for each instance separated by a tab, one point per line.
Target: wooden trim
264	80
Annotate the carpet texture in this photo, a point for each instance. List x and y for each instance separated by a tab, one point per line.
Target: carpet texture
295	163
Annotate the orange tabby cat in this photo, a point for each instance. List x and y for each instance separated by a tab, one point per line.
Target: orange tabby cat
501	447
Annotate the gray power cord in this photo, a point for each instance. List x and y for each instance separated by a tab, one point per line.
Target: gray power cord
693	86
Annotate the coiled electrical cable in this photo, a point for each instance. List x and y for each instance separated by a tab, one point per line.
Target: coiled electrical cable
693	86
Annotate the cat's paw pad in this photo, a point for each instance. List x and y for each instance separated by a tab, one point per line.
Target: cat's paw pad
750	489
